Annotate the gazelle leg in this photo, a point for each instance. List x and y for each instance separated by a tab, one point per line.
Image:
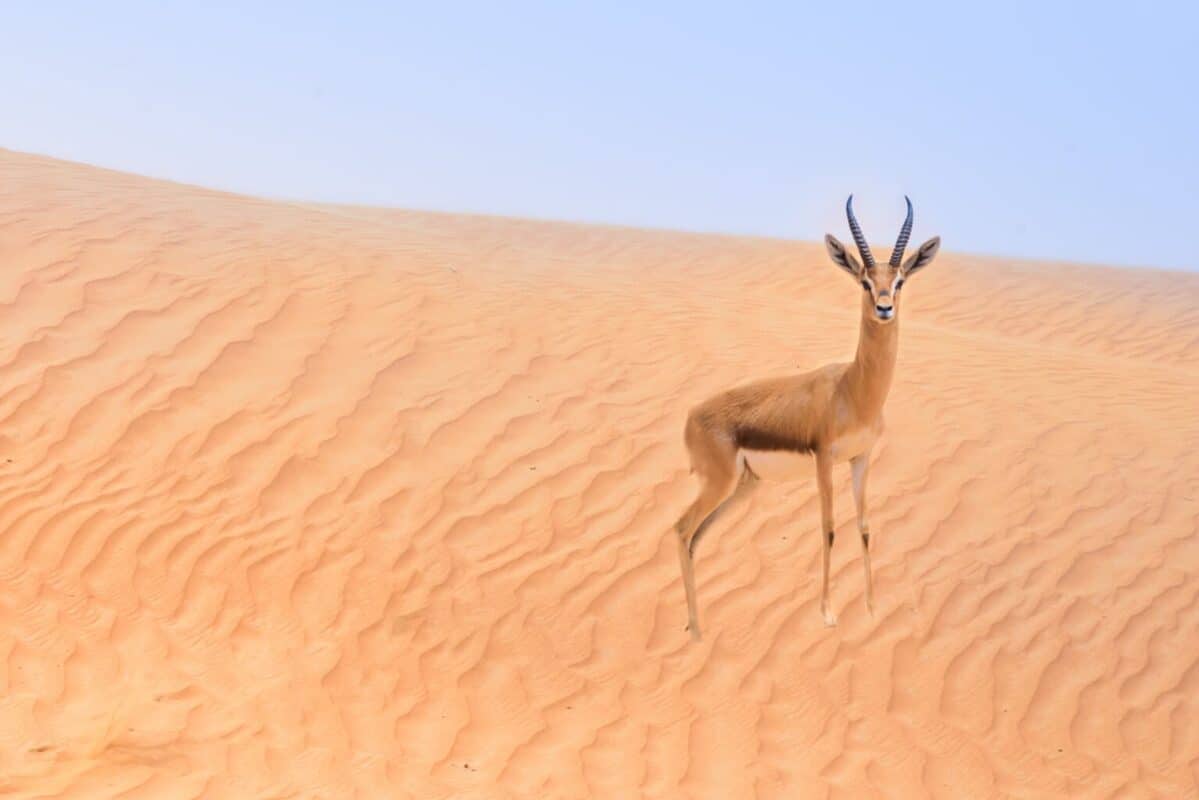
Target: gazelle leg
689	587
861	470
745	483
718	486
824	479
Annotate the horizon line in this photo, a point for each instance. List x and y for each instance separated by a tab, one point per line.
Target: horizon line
591	223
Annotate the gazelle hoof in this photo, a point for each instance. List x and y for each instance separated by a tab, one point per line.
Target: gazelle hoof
830	619
695	637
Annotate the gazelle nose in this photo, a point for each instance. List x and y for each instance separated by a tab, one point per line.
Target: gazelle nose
884	312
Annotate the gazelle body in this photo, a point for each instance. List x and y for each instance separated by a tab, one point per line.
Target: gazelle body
833	414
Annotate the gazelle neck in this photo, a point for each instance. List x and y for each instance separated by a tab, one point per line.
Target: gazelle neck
869	376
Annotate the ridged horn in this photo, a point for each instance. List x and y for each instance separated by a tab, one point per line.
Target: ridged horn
856	230
904	233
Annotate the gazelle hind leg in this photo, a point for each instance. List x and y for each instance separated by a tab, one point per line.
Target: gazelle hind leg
861	470
710	498
716	467
745	482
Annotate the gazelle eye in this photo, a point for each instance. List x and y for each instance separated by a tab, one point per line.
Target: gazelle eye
899	284
865	286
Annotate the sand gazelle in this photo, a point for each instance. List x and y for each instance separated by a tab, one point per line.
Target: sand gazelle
833	413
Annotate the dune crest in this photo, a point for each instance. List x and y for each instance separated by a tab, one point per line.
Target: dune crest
303	500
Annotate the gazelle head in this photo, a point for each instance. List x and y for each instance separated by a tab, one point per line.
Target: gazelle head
881	284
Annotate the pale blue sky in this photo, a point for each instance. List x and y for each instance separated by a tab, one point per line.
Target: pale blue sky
1016	128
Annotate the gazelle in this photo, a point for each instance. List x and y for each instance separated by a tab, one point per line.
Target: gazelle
833	413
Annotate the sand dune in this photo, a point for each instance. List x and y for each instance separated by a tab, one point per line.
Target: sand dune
309	501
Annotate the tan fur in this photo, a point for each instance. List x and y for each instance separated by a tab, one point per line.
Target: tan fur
833	413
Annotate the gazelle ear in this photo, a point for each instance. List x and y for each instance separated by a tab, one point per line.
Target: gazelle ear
841	257
923	256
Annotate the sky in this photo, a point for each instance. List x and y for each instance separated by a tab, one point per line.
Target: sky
1043	130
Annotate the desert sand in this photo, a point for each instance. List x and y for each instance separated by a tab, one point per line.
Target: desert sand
315	501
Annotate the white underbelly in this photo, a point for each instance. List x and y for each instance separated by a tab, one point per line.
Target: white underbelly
783	465
853	444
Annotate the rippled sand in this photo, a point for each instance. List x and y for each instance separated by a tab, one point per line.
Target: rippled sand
306	501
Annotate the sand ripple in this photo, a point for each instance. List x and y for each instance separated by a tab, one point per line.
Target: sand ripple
305	501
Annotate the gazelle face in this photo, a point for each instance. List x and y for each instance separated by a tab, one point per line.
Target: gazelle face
881	283
881	286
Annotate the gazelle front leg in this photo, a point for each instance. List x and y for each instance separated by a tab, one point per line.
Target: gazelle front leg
861	470
824	479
